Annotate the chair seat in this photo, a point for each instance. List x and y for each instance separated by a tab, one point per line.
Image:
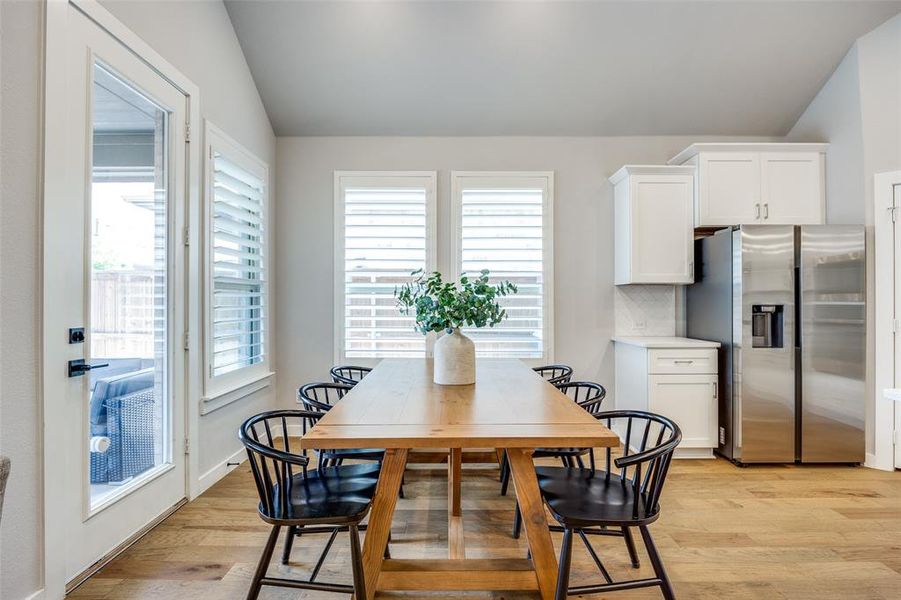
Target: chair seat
331	494
585	498
354	453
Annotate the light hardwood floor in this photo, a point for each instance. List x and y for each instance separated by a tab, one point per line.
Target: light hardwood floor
725	533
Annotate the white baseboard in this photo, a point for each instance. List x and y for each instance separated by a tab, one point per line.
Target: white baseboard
206	481
38	595
693	453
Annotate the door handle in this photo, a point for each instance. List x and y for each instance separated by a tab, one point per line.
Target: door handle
757	211
78	367
766	210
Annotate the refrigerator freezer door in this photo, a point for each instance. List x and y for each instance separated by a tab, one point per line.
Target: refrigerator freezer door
833	343
764	387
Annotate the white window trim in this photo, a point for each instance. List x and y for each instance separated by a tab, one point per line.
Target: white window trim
380	178
235	385
512	179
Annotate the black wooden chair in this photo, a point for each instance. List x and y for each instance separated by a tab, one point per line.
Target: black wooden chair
320	398
588	395
623	495
323	500
555	373
349	374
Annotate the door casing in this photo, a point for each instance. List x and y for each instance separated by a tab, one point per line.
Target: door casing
886	417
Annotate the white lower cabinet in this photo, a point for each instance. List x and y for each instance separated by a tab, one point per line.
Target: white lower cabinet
690	401
676	378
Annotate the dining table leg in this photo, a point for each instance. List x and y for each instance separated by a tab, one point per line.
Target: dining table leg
381	515
534	519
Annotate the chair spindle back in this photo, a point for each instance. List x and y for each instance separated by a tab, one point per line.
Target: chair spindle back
587	394
555	374
649	441
273	464
349	374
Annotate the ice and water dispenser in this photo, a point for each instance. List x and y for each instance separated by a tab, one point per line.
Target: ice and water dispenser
767	325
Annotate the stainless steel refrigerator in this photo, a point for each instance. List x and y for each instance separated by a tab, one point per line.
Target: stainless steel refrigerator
788	305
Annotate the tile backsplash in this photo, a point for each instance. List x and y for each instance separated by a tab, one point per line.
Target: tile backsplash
645	310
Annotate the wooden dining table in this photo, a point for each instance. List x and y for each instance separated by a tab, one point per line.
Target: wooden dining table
511	408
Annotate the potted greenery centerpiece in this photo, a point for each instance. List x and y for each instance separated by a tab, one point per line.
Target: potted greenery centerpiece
446	306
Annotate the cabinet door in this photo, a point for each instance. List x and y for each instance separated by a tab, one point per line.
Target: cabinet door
791	188
662	229
729	188
690	401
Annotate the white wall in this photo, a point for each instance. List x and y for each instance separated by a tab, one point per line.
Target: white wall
583	231
834	116
21	531
858	112
198	39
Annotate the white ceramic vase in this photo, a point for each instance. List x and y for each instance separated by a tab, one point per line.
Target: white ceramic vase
455	359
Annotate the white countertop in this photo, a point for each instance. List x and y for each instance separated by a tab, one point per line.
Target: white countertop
892	394
665	342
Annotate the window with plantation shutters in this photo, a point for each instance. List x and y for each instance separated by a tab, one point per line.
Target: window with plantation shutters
237	262
504	224
384	224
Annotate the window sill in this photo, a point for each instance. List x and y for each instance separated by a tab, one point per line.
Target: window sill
222	398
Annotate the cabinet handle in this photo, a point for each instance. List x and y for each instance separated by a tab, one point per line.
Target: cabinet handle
766	210
715	389
757	211
683	362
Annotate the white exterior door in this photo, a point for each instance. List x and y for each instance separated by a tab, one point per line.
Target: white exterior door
113	297
729	188
792	188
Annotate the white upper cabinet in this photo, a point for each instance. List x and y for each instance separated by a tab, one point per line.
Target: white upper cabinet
727	188
654	224
791	188
737	184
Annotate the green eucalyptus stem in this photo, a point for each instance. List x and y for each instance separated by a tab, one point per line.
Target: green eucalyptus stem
438	305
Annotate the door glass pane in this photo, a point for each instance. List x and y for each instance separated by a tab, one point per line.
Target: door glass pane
128	322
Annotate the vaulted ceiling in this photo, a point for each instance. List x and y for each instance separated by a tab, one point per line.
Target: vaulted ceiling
545	68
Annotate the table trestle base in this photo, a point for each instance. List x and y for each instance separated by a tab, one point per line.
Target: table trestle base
459	575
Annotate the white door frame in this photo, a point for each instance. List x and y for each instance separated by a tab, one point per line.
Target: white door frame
887	284
54	146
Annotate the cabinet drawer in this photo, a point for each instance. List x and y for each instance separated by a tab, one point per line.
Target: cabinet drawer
675	361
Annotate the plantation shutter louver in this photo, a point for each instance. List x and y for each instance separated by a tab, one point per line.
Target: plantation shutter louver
385	238
502	229
238	314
